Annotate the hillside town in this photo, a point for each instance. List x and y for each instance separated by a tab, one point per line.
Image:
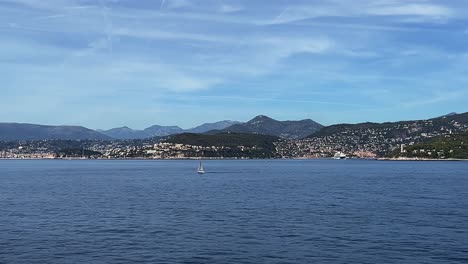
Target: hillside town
368	141
29	150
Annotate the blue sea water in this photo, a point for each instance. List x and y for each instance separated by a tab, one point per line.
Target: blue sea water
257	211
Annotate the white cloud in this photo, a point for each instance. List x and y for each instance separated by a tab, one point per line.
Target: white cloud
424	10
164	76
296	13
230	8
279	100
435	98
175	4
285	47
151	33
48	5
365	8
149	76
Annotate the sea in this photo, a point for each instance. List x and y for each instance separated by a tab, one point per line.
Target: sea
239	211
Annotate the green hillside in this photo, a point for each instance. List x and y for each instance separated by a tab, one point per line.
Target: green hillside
444	147
233	145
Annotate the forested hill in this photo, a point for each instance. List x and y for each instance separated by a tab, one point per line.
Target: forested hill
458	122
224	139
442	147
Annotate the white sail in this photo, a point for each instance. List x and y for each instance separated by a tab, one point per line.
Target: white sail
201	170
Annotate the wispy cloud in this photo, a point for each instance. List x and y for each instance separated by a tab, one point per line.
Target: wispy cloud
278	100
419	10
285	47
225	8
435	98
50	17
151	33
424	10
49	5
174	4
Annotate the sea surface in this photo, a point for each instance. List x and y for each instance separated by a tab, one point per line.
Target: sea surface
252	211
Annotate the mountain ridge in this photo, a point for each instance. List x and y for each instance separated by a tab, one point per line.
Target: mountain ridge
161	131
25	131
263	124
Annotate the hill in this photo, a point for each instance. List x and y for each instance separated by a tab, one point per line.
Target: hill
233	145
450	122
224	139
382	138
442	147
268	126
15	131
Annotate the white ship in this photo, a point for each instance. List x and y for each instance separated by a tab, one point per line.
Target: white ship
340	155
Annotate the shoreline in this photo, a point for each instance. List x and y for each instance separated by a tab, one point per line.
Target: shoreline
418	159
213	158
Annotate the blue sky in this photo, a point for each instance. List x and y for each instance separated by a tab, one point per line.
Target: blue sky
109	63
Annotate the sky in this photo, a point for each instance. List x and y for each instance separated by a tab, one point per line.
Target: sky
112	63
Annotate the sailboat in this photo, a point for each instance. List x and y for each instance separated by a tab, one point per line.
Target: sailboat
200	169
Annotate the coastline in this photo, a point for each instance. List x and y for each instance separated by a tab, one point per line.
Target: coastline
218	158
418	159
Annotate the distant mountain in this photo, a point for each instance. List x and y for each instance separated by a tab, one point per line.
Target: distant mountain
268	126
258	125
161	131
448	115
15	131
154	131
124	133
212	126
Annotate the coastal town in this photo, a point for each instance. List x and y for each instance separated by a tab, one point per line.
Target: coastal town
434	138
369	140
115	150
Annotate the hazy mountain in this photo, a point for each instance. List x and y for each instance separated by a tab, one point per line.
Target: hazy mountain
154	131
124	133
15	131
212	126
160	131
268	126
448	115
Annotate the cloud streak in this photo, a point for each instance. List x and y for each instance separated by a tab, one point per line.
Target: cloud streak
277	100
424	10
230	8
